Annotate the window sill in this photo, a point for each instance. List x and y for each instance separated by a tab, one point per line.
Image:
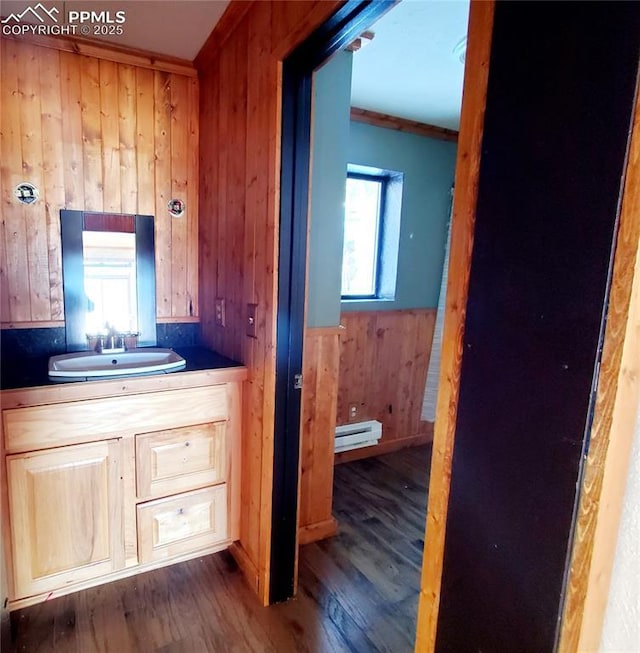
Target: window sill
372	304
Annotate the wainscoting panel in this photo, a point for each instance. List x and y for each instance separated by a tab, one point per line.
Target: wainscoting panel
319	404
384	357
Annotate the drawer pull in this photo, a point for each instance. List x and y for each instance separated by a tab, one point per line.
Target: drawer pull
181	511
187	443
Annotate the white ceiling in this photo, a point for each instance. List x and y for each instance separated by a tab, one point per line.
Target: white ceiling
177	28
409	70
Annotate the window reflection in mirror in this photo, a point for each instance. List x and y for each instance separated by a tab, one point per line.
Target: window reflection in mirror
111	286
109	260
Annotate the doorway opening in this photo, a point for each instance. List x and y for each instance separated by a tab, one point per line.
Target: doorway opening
298	93
383	154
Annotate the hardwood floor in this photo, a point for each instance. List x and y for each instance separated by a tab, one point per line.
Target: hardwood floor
358	591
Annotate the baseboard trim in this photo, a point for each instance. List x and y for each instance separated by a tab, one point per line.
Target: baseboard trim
246	565
383	447
318	531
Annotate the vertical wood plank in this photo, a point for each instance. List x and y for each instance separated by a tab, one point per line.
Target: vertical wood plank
385	383
127	125
162	140
32	169
72	145
256	154
145	142
53	164
226	335
346	364
109	127
265	290
257	184
5	307
207	241
318	421
384	356
14	228
91	134
179	167
237	182
407	404
308	425
192	197
612	433
462	231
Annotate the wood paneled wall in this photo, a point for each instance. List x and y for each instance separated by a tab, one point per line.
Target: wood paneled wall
240	120
95	135
320	369
377	361
384	357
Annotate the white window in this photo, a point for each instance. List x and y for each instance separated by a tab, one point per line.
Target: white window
362	227
371	231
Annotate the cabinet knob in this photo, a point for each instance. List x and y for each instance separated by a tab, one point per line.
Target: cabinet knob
181	511
186	444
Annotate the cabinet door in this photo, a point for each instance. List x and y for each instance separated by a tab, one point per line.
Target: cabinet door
66	515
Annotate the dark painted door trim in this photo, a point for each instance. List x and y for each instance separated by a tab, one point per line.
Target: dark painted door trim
345	25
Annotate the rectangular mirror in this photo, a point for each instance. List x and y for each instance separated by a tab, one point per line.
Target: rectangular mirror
108	265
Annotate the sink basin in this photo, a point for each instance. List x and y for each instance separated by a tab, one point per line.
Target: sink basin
90	365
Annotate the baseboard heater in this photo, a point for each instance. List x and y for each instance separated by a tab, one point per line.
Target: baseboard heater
356	436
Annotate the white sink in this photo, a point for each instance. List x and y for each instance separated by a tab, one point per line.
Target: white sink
89	364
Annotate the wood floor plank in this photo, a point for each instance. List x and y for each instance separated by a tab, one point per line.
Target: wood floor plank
358	591
353	602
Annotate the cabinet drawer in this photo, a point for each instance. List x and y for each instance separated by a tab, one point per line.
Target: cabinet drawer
181	459
180	524
37	427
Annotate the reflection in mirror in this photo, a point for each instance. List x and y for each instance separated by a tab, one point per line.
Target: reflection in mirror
108	268
110	281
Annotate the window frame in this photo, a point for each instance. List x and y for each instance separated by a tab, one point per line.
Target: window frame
383	180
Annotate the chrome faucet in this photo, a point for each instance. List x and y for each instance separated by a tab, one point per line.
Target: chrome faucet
111	343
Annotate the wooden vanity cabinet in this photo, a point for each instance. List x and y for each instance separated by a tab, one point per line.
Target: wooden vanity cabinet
110	478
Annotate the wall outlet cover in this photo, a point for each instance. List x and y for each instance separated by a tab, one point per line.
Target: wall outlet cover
252	320
221	317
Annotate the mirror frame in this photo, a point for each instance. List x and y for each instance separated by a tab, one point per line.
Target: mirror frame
71	227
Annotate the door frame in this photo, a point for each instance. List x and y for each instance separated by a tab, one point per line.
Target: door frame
345	25
617	393
298	68
618	390
468	157
617	405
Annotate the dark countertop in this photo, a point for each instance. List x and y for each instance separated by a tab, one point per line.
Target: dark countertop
33	372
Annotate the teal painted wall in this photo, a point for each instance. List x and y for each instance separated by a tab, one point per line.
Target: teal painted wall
428	165
330	138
